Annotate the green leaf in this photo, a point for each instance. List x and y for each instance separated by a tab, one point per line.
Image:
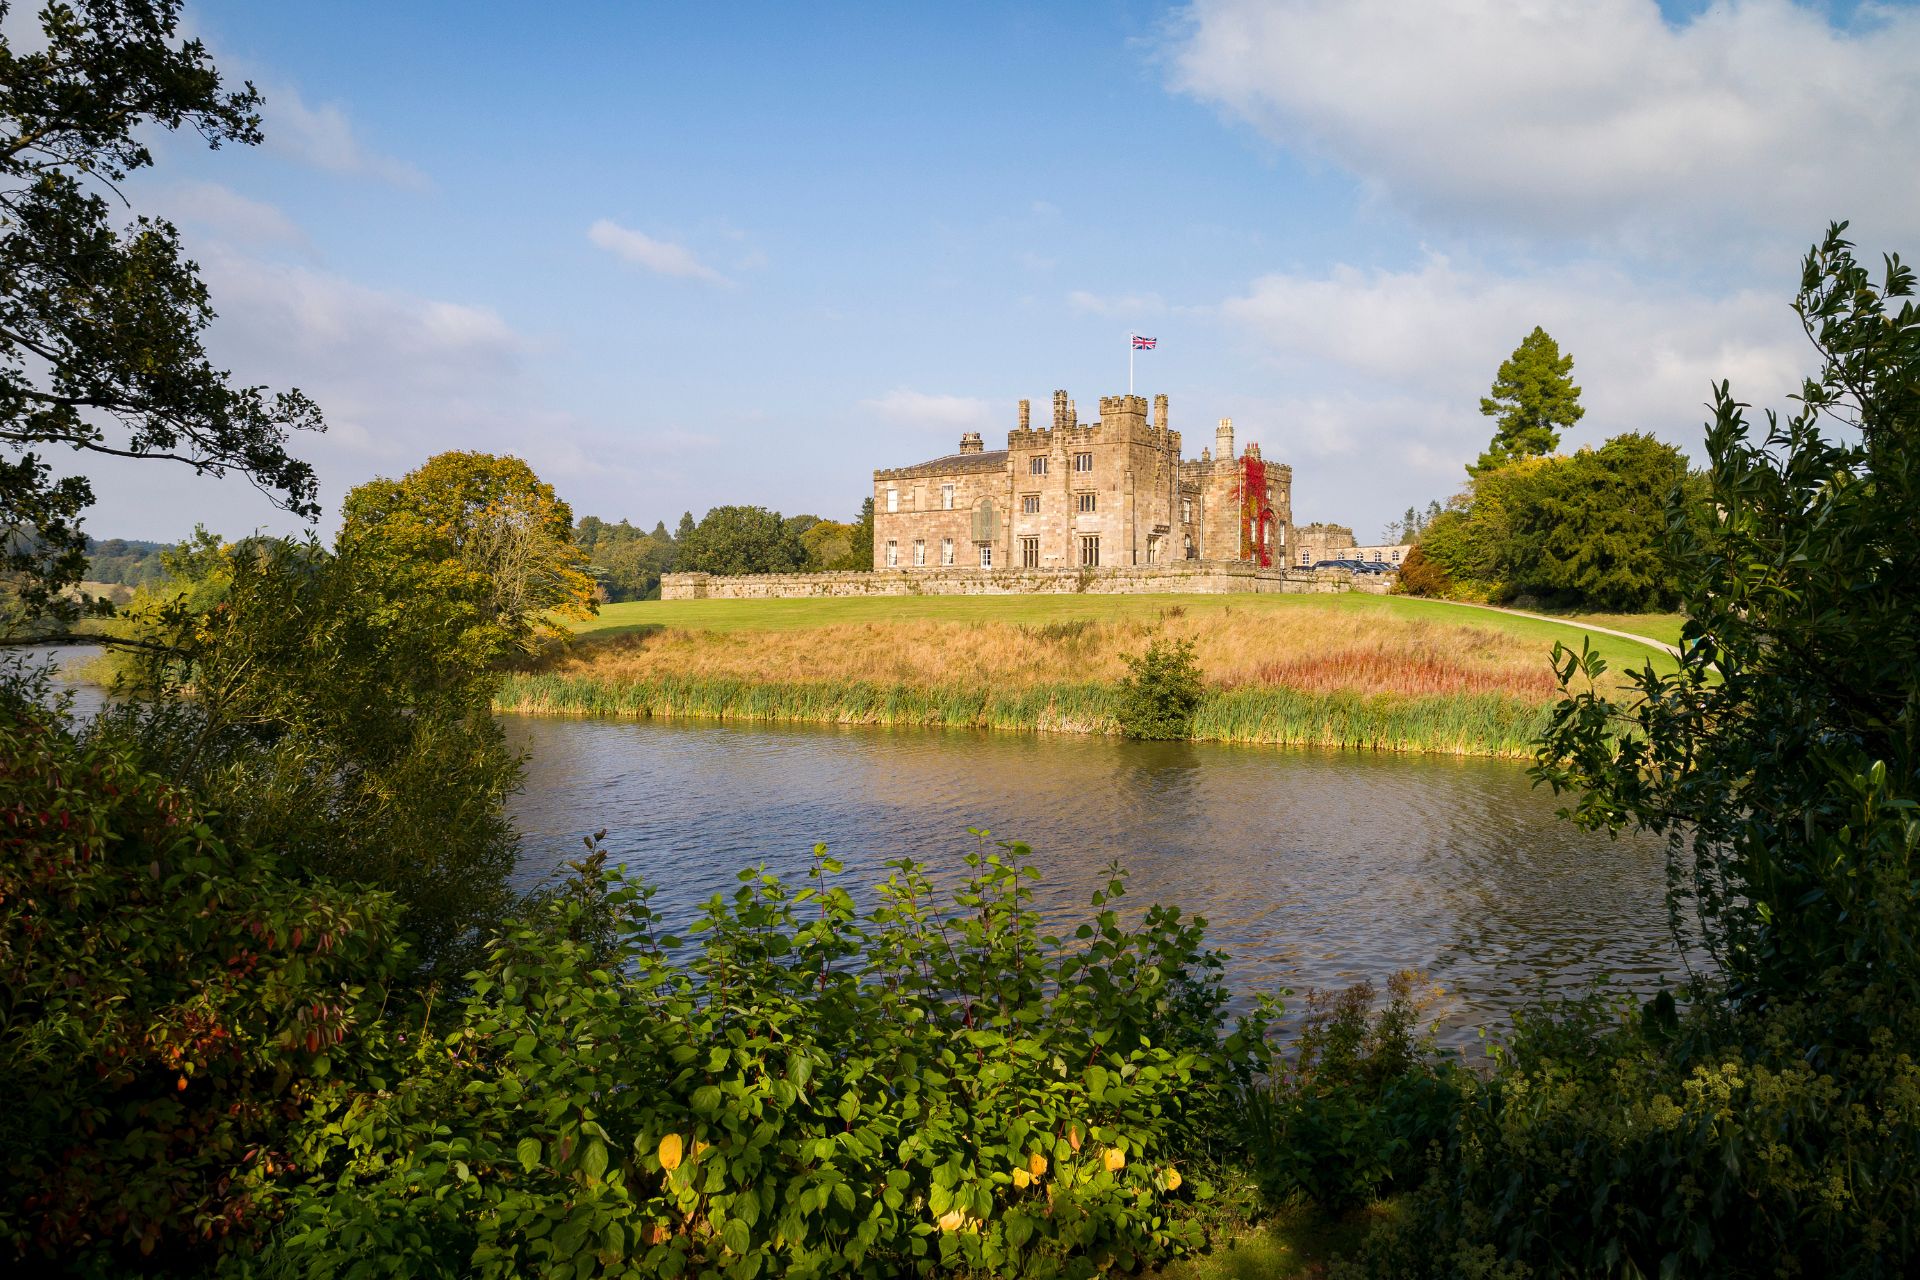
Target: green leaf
594	1162
529	1153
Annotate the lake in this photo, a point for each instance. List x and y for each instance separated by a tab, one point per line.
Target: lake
1313	869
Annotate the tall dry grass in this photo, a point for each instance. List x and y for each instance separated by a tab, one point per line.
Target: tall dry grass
1308	678
1308	650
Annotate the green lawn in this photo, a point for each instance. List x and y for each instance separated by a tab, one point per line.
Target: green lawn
785	615
1661	626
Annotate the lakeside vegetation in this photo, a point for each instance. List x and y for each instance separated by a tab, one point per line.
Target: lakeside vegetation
273	1010
1354	671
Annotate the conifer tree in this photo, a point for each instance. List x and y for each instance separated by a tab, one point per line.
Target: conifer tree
1533	400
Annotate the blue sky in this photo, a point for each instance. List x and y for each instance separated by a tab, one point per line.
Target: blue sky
677	256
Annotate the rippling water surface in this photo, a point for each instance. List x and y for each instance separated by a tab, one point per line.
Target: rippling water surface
1313	869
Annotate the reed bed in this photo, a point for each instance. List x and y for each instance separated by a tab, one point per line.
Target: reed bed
1479	724
1323	650
1305	677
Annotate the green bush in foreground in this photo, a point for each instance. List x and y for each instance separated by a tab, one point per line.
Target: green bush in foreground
1620	1144
920	1086
1350	1113
171	1002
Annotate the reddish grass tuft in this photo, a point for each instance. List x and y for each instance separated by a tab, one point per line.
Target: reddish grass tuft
1413	673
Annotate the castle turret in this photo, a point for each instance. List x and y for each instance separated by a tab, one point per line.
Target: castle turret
1062	412
1223	440
1124	416
970	443
1026	414
1160	413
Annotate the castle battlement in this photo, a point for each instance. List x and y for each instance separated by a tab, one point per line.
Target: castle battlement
1073	494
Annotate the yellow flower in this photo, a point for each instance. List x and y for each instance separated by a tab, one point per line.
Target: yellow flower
953	1220
1116	1159
670	1149
1173	1179
1037	1165
1021	1178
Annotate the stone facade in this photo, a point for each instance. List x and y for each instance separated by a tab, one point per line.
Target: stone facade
1201	577
1313	543
1316	542
1112	493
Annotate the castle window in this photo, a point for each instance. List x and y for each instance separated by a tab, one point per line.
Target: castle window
986	555
1083	462
893	554
1153	550
946	497
1029	553
893	499
1396	555
1186	511
919	554
1087	500
1037	465
1090	550
946	551
1030	504
1190	551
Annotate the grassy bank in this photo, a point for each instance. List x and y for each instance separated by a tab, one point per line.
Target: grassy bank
1337	671
1480	724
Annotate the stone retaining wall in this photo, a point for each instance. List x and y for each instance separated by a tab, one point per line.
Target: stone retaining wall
1198	577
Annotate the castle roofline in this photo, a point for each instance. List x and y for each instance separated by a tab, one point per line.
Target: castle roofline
993	460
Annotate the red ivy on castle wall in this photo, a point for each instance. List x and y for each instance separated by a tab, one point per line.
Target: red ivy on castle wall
1256	513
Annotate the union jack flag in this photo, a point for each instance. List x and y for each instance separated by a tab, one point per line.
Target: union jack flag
1143	344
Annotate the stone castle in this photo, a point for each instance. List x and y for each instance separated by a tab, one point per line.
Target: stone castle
1085	495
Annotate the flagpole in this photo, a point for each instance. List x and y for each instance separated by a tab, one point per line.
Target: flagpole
1130	337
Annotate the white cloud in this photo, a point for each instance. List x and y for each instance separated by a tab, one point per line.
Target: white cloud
1121	307
659	256
1393	365
323	137
1646	355
931	412
1584	117
228	214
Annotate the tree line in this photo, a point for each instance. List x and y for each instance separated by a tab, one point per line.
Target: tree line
1586	530
627	563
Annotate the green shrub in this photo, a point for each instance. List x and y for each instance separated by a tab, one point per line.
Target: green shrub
816	1090
1161	692
1349	1113
170	1003
1611	1143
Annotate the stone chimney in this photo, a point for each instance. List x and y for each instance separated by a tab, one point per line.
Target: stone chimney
1060	410
1026	414
1223	440
970	443
1160	414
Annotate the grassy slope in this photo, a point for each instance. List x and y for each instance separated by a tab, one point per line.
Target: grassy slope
787	615
1351	671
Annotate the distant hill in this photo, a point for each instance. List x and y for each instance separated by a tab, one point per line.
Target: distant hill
127	561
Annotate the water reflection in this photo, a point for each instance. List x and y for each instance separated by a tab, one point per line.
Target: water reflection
1313	869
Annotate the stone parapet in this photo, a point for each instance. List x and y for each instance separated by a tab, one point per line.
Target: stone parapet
1197	577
